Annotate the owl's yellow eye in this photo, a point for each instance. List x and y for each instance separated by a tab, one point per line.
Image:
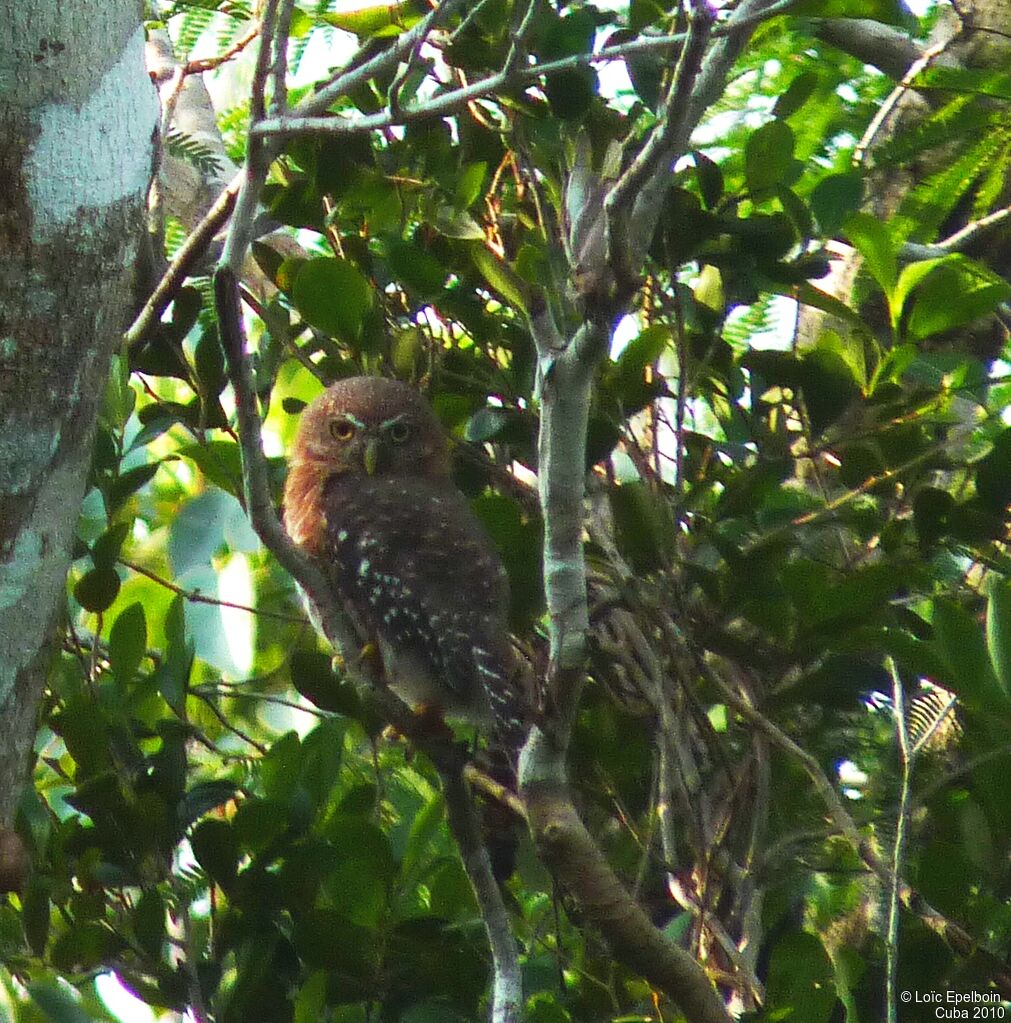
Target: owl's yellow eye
342	429
399	432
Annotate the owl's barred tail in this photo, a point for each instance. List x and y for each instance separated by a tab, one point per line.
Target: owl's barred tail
507	682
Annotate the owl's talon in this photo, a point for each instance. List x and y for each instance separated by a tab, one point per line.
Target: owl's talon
430	720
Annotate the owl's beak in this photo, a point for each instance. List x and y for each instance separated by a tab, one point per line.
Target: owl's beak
373	451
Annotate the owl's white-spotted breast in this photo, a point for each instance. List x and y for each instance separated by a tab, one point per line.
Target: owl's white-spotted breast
369	496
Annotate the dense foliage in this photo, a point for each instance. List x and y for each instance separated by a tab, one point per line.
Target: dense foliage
812	521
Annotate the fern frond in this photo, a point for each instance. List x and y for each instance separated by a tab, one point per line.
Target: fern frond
962	118
194	24
187	148
758	318
933	720
931	200
992	183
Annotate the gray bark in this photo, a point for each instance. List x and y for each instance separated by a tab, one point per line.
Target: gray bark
77	117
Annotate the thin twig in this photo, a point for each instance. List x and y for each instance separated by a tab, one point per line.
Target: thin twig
196	67
959	241
196	597
230	726
182	265
953	934
899	846
310	121
891	102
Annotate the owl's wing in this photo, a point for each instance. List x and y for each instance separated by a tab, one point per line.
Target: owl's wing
422	577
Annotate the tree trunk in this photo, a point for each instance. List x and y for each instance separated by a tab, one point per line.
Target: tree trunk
77	121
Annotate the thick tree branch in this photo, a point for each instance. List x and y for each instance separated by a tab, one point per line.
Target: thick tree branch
574	858
507	992
667	139
888	49
566	382
708	87
186	259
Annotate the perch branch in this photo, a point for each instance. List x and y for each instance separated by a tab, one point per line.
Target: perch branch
507	992
507	988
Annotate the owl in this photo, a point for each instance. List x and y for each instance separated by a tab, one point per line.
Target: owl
370	498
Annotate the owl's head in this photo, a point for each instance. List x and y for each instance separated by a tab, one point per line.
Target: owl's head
372	426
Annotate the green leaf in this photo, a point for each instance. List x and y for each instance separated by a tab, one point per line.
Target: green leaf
457	224
710	179
644	526
127	483
570	93
835	197
414	266
369	19
998	633
960	640
333	296
801	982
96	590
874	242
119	395
829	382
910	276
470	184
993	474
209	362
797	94
149	921
216	848
502	278
361	882
975	81
280	768
56	1003
768	156
128	642
105	550
325	939
423	829
313	676
486	423
310	1001
35	917
639	353
808	294
203	798
956	292
172	675
915	655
